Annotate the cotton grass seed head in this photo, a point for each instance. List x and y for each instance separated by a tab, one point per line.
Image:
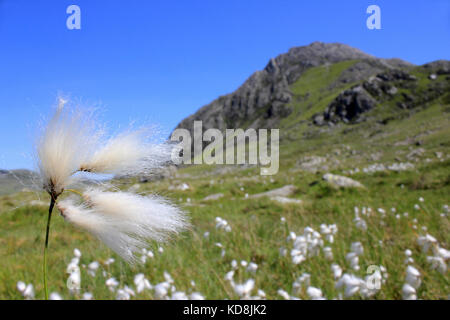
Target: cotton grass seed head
72	142
64	145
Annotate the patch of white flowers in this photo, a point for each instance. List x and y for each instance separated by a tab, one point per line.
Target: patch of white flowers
351	279
222	224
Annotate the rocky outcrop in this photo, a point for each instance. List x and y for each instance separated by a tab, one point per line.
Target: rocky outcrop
262	101
348	106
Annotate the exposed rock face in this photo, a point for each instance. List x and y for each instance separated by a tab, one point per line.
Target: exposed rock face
438	67
349	105
213	197
265	97
262	100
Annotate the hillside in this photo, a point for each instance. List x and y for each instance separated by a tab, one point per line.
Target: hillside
294	86
307	232
12	181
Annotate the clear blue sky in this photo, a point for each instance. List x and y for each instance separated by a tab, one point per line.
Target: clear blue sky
162	60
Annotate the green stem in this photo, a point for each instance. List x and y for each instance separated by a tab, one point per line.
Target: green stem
50	209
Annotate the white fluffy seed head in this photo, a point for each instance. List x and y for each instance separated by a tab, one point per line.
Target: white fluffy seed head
123	221
127	154
65	143
150	214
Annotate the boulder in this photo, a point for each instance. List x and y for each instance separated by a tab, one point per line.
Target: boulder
212	197
341	181
349	105
279	192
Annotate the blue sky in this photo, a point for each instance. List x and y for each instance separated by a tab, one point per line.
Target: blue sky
160	61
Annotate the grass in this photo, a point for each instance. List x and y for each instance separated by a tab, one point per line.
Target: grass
257	232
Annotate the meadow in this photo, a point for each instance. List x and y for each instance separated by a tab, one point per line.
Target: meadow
386	240
250	251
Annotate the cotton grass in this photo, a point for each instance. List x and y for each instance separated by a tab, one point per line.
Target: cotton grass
73	142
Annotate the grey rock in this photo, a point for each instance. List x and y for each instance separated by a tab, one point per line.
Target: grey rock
263	100
350	105
212	197
311	163
285	191
341	181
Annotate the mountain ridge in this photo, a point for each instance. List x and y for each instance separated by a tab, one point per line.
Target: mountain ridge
264	99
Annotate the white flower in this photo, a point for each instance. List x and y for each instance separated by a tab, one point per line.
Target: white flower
337	270
302	281
438	263
67	141
360	223
111	283
252	267
87	296
74	281
141	283
413	277
261	293
222	224
124	221
283	294
353	260
21	286
168	277
328	253
351	283
124	294
408	292
314	293
55	296
73	265
161	290
77	253
243	290
92	268
27	291
178	295
229	276
129	153
426	242
357	248
196	296
234	264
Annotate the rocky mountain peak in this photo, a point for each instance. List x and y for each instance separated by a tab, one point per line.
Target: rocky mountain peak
263	99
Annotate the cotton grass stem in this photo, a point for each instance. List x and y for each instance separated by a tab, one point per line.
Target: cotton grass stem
50	210
75	191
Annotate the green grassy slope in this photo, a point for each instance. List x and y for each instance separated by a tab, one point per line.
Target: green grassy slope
257	230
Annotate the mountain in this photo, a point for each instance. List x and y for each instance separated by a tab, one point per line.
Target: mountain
326	82
12	181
